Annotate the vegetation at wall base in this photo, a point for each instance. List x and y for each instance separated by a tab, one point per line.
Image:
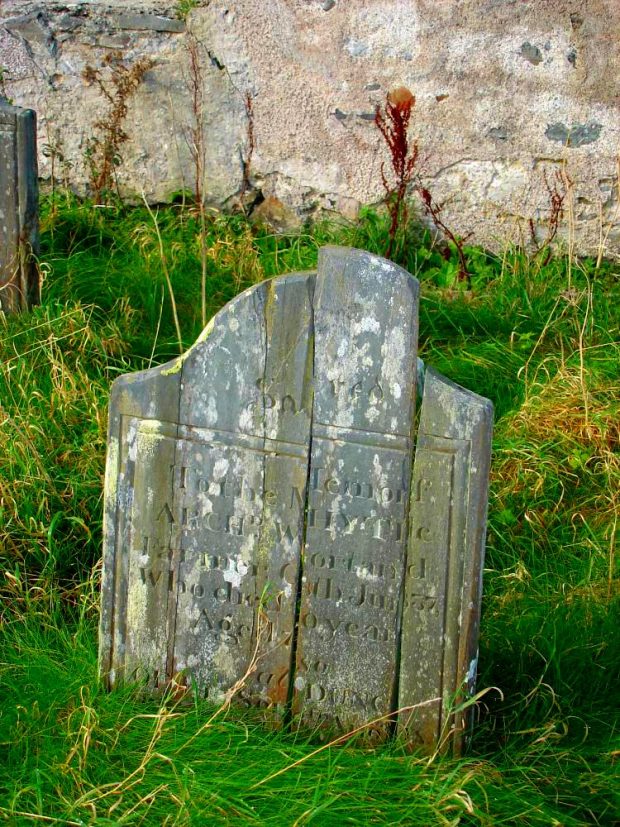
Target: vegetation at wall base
540	337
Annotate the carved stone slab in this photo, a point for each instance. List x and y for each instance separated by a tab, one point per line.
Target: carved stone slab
443	584
205	491
266	525
366	312
19	228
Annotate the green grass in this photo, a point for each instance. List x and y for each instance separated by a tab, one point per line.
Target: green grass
541	340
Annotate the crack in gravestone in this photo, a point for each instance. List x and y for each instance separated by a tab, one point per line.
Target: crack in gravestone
366	343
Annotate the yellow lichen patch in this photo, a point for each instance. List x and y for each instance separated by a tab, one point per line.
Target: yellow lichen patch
178	363
224	662
111	473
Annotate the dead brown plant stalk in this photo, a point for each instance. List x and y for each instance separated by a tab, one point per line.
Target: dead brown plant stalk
195	136
393	124
117	82
197	147
251	144
556	191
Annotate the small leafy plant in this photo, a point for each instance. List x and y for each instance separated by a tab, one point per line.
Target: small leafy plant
184	7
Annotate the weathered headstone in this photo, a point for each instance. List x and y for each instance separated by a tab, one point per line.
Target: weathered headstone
19	223
267	522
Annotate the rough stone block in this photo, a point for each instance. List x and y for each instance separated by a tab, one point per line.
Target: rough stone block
148	22
19	222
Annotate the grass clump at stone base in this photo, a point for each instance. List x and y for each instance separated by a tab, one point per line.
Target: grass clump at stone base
541	340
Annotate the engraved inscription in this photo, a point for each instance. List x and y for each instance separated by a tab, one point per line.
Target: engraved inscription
242	547
231	494
201	550
269	399
352	583
359	391
358	489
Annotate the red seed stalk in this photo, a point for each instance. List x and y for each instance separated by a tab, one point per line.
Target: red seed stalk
393	124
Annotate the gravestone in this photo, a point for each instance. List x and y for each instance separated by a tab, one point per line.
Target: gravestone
19	223
269	527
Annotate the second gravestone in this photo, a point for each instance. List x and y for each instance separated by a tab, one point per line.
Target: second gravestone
268	522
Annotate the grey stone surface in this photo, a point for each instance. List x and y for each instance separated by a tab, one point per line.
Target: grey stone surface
531	53
579	134
205	486
19	221
443	583
366	312
149	22
258	502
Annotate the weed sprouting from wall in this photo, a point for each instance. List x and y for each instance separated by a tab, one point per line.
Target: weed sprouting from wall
184	7
433	210
117	86
393	124
557	191
251	144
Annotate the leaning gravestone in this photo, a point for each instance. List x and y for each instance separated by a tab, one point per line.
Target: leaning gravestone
19	227
270	527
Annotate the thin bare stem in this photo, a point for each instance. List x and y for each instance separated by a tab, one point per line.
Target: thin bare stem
164	266
433	209
612	553
196	142
251	144
203	263
344	737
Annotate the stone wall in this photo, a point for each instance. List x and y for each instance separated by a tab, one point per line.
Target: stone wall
510	94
